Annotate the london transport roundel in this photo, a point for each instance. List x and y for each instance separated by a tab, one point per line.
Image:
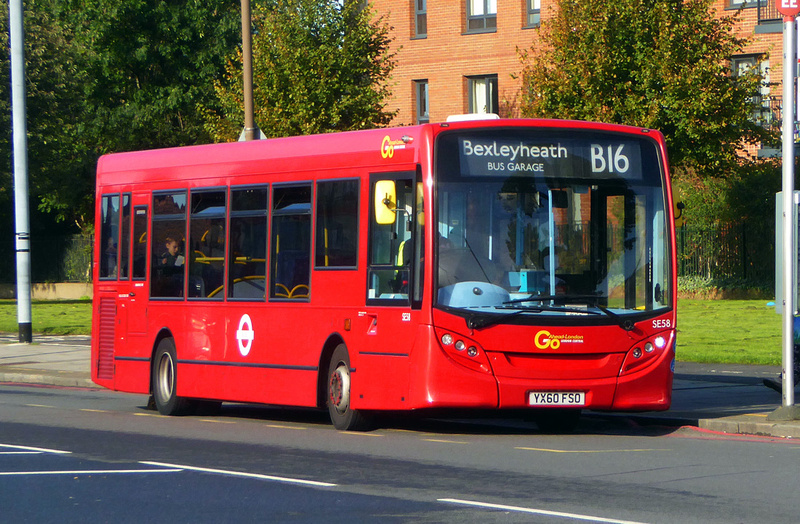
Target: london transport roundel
245	334
790	8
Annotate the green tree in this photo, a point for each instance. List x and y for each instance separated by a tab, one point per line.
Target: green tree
113	75
152	64
55	75
660	64
318	66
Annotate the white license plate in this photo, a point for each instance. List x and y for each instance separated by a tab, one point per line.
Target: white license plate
556	398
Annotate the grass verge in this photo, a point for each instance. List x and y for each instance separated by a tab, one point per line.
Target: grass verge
728	331
63	317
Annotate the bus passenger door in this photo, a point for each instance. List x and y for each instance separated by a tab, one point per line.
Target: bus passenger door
393	288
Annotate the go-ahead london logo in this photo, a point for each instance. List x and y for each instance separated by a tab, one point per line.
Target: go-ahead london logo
546	340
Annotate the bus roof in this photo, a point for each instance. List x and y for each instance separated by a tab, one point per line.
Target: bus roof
383	148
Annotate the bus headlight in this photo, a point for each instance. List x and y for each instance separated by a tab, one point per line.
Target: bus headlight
464	351
638	358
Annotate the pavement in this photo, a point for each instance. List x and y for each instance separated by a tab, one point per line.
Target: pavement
725	398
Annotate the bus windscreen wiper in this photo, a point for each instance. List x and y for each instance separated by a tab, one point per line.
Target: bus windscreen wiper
479	321
589	300
543	298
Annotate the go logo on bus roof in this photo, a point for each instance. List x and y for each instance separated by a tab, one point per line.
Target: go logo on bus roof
388	146
546	340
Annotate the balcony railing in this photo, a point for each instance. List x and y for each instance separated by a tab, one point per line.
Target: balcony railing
768	11
768	112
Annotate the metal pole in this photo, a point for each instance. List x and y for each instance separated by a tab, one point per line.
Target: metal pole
788	225
247	73
20	138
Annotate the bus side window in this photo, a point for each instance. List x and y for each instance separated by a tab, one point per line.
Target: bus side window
168	246
206	254
140	243
291	242
247	270
125	238
391	248
337	224
109	236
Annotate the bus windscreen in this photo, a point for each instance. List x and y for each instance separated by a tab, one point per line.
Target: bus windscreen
549	222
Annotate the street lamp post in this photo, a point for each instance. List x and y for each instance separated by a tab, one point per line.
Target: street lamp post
20	139
250	130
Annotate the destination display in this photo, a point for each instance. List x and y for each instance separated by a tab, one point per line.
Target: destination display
570	158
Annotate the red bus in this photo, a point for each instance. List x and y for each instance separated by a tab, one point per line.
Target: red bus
483	265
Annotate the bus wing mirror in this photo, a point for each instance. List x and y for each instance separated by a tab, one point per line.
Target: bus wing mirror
385	202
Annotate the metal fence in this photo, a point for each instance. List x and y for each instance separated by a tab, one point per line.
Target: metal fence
57	258
744	252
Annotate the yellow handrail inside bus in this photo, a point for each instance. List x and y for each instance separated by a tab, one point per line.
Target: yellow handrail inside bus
242	279
291	293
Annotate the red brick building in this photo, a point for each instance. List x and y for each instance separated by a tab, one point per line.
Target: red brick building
462	56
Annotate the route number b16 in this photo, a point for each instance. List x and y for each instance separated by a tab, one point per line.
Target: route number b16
609	159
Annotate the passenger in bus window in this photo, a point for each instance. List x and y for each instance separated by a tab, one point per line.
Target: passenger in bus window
171	257
111	258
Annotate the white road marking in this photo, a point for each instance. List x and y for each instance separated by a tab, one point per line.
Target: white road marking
87	472
28	448
241	474
574	516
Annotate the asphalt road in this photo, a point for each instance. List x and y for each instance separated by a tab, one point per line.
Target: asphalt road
101	456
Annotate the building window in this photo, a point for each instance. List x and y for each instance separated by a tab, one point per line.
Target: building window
421	95
483	94
765	109
481	15
420	18
534	10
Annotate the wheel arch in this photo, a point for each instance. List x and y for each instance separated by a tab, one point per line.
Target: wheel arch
162	334
333	341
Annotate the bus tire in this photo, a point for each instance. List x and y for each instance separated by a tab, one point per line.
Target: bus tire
342	415
165	380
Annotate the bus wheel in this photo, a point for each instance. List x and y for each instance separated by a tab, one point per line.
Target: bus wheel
557	420
165	379
338	397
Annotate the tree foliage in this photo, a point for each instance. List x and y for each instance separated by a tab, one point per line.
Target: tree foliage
55	99
318	66
152	64
113	75
660	64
